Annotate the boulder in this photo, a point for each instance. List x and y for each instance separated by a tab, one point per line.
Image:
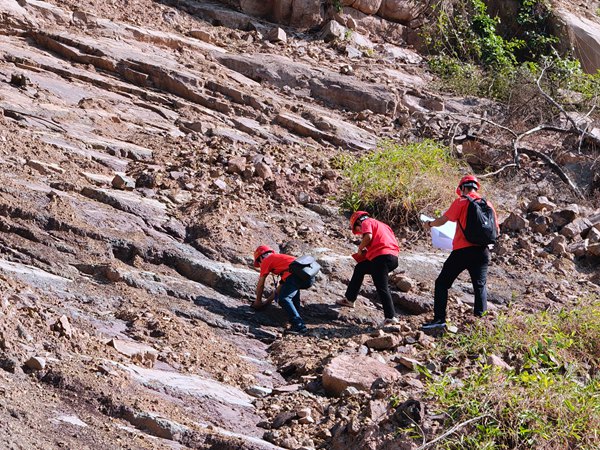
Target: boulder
578	227
593	235
356	371
402	282
400	10
515	222
594	250
367	6
332	31
540	204
411	303
276	35
297	13
123	182
258	8
385	342
141	353
558	246
565	216
583	36
35	363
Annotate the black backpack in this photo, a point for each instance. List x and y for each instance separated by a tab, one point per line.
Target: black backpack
480	228
305	269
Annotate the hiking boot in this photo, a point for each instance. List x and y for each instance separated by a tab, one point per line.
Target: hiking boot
345	302
297	330
390	322
435	324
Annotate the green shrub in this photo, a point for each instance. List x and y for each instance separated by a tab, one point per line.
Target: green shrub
398	181
550	399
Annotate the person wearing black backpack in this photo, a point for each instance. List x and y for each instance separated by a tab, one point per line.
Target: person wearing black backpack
477	228
286	290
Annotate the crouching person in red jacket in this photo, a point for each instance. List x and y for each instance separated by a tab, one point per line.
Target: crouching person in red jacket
288	290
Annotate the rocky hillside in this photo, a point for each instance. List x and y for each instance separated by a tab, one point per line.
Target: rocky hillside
149	147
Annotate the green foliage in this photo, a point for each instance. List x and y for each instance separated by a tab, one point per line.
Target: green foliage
337	4
534	19
472	58
465	31
550	399
397	181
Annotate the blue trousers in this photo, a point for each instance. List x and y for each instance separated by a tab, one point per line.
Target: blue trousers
475	260
289	299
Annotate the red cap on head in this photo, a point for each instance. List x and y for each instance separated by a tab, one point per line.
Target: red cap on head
260	251
355	216
468	180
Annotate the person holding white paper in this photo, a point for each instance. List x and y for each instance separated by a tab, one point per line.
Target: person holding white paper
465	255
377	255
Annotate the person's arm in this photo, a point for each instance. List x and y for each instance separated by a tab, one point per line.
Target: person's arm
364	243
260	287
436	222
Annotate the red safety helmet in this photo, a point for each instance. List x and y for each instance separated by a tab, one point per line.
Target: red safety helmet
355	216
261	250
467	180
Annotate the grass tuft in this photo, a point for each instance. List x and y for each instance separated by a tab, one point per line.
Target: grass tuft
398	181
549	399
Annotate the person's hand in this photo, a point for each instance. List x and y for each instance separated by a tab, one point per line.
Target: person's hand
257	306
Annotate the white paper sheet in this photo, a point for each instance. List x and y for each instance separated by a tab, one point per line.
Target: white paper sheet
441	237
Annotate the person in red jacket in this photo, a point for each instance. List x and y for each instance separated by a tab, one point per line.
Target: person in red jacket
464	256
377	255
287	291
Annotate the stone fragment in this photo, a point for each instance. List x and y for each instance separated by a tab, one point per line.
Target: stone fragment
36	363
237	165
220	184
578	227
63	327
403	11
123	182
385	342
332	31
496	361
558	246
402	282
45	168
407	362
276	35
539	224
263	170
258	391
593	235
138	352
412	303
282	418
304	412
201	35
515	222
541	204
565	216
357	371
594	250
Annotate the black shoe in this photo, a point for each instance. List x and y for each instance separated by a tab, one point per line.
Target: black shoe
298	330
436	323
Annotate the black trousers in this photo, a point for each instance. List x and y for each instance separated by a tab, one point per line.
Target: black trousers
476	261
378	268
